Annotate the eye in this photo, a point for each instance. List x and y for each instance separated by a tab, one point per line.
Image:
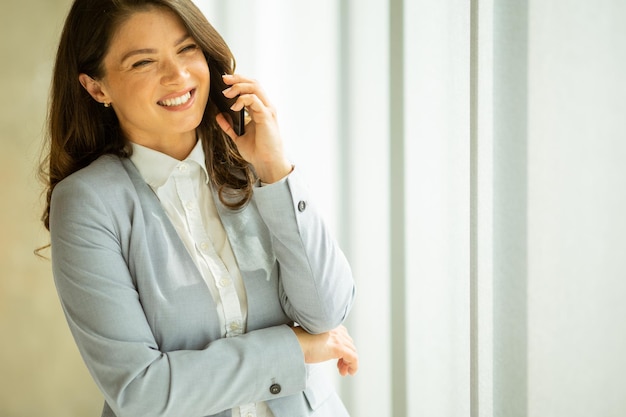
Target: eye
142	63
188	48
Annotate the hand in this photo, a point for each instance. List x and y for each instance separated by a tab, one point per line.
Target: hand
335	344
261	145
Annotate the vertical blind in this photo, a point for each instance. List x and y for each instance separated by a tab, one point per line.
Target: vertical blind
469	157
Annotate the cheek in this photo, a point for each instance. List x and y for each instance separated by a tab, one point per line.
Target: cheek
124	91
203	73
204	80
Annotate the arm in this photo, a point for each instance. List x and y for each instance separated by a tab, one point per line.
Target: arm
316	286
105	315
317	289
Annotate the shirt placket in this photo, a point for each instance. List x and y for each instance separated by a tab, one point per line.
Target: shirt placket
248	410
222	280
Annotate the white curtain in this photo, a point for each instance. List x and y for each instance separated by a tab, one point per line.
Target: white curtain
470	157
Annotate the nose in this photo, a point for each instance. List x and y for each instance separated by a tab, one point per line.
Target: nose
173	72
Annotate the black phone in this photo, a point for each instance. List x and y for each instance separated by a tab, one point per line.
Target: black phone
223	103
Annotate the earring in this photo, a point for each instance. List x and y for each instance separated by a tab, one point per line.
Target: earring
107	105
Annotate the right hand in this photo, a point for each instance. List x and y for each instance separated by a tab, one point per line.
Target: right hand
335	344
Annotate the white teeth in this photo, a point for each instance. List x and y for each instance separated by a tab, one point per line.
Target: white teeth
176	101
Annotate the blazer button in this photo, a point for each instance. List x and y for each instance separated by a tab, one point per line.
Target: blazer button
275	389
301	206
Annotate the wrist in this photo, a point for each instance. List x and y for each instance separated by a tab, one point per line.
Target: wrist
275	172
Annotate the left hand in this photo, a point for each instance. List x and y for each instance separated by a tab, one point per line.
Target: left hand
261	145
335	344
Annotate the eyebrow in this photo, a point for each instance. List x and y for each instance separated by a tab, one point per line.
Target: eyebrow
151	50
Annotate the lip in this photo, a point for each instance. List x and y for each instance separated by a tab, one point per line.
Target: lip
185	106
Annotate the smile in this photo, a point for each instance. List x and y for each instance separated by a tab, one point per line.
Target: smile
177	101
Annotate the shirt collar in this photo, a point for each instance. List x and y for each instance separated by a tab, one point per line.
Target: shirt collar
156	167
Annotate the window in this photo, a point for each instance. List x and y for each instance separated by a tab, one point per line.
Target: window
470	157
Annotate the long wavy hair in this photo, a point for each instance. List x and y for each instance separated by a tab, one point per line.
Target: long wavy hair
80	129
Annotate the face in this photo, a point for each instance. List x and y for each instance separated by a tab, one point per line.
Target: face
156	80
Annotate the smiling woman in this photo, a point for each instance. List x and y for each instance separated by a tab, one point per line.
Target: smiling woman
156	81
96	129
195	274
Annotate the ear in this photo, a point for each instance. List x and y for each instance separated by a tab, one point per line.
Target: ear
94	88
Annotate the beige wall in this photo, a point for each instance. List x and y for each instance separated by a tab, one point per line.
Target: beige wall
40	369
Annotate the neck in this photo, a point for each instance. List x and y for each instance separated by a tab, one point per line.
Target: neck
178	147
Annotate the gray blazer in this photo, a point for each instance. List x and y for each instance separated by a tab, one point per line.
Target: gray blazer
145	322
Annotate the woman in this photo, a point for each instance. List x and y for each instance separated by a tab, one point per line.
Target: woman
196	276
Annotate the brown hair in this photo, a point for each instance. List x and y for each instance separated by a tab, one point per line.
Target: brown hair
81	129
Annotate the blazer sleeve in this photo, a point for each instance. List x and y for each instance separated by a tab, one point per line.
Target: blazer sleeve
105	315
316	284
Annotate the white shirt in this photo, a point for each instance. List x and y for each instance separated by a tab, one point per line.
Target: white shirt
183	188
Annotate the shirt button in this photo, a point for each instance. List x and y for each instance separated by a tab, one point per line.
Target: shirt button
301	206
234	326
249	415
224	282
189	205
275	389
182	167
204	246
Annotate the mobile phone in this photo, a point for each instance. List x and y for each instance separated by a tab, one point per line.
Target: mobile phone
223	103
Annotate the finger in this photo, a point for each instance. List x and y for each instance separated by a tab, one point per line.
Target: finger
258	111
349	357
225	126
247	98
233	79
242	85
347	353
244	88
353	367
346	368
341	367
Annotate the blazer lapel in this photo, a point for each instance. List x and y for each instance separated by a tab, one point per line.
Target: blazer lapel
252	245
150	199
248	237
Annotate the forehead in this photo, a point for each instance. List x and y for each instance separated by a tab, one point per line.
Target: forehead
146	29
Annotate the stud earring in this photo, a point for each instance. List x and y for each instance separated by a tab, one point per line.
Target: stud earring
107	105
